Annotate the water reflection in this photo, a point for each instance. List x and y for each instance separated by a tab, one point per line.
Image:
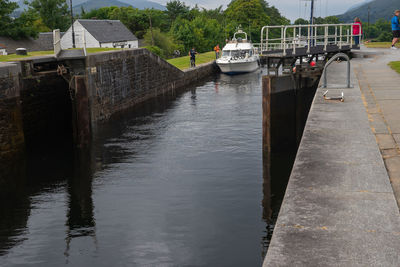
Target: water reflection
81	221
276	172
175	181
14	205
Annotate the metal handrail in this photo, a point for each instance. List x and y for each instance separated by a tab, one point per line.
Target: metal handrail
325	75
312	38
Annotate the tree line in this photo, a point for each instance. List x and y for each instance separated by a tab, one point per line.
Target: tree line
179	27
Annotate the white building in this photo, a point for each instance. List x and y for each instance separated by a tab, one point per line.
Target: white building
100	33
3	50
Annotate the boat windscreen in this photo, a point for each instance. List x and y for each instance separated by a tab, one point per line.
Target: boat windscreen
241	53
226	53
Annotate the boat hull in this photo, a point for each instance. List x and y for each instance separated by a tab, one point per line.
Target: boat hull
238	67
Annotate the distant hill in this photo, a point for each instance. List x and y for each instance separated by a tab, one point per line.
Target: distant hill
95	4
143	4
356	6
379	9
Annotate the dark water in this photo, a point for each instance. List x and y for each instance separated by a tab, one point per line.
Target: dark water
178	183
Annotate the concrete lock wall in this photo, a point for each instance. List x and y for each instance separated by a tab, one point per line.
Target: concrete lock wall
123	79
11	131
286	103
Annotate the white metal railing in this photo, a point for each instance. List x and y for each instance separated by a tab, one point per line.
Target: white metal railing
307	36
56	42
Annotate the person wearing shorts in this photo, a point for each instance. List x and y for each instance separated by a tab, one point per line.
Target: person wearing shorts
395	28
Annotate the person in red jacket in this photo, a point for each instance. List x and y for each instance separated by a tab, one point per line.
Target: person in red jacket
357	30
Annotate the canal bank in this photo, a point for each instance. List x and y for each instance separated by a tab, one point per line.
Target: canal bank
339	207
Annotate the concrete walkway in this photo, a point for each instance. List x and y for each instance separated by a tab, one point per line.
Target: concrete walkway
339	208
380	87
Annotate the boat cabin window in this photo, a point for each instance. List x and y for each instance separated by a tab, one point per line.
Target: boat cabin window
241	53
226	53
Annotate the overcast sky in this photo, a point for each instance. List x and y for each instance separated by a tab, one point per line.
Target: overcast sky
291	9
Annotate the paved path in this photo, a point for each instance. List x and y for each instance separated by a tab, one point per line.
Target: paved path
339	208
380	87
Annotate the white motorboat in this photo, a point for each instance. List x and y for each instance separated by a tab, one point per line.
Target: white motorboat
238	56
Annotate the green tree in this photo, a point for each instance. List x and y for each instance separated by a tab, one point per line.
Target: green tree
137	21
16	28
54	13
176	9
6	8
252	15
201	33
163	41
100	13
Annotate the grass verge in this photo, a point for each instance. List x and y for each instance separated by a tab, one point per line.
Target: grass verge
380	45
184	62
14	57
395	65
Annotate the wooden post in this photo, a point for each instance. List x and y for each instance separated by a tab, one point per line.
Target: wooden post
81	111
266	147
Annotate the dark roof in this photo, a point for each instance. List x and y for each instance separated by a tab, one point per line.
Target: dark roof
106	31
28	43
44	42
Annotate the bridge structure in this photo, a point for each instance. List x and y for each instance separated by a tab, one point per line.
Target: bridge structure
65	54
288	45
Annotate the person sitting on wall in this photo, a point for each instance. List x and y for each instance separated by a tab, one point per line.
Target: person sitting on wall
192	54
357	30
395	28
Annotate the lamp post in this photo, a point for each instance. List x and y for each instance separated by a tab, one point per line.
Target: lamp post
312	21
72	25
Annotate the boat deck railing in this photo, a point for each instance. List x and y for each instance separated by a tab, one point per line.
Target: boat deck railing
286	39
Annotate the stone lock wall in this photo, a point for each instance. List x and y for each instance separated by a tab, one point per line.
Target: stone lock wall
38	106
119	80
46	108
11	131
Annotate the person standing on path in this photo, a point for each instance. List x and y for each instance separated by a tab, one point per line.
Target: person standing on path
395	28
192	54
216	49
357	30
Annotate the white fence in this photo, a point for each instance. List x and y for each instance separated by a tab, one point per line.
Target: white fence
307	36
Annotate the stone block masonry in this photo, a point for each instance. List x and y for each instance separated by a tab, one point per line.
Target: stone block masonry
37	104
11	131
46	108
123	79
